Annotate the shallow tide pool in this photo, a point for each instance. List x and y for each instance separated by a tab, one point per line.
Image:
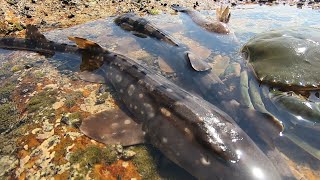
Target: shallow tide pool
43	100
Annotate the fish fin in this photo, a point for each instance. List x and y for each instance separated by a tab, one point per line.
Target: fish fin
113	127
164	66
228	18
138	34
83	43
218	13
196	63
178	8
223	14
33	33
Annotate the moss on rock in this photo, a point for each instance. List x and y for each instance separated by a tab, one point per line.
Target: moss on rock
92	155
41	100
72	98
8	116
146	160
6	90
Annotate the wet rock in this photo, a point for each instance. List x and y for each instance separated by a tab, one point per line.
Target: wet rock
7	164
73	120
4	100
100	101
119	148
71	16
24	91
28	66
102	89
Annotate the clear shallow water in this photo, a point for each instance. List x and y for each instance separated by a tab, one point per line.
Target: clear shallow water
245	23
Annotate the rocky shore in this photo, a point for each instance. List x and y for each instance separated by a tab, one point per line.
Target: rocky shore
51	14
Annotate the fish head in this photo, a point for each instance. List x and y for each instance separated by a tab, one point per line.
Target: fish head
207	143
218	27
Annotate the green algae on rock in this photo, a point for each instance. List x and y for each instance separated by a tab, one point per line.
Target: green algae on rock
146	161
72	98
9	116
5	91
41	100
92	155
289	57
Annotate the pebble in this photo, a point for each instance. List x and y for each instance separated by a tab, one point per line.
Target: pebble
71	16
24	91
100	101
119	148
125	164
128	154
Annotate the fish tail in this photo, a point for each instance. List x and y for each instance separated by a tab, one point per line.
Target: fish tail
223	14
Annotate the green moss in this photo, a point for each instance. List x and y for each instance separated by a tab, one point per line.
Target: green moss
75	115
74	120
105	95
94	155
109	155
45	113
6	90
70	103
6	66
146	161
44	99
154	12
38	74
72	98
16	68
8	116
18	26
